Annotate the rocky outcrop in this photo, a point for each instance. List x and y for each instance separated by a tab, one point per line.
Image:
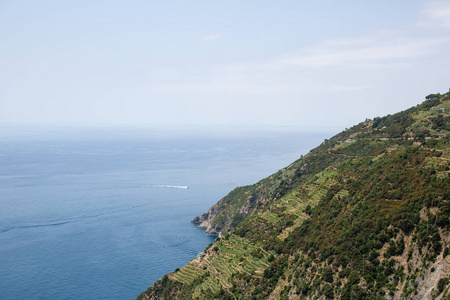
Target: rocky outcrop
205	221
223	216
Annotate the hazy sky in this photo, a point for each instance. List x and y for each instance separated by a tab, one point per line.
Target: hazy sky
296	63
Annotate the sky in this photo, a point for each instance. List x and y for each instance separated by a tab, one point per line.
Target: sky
256	63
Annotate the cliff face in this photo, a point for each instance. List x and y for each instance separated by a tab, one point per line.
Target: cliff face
205	220
365	215
227	213
233	208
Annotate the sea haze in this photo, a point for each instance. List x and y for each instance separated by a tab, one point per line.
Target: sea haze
103	213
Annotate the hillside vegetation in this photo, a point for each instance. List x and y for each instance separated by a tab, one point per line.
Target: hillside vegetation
365	215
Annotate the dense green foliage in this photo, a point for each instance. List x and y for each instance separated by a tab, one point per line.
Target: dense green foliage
365	215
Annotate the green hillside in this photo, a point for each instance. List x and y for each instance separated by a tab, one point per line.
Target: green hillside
365	215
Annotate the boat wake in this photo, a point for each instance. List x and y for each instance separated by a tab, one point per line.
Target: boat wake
52	223
160	186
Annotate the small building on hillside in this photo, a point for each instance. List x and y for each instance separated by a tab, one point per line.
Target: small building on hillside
433	96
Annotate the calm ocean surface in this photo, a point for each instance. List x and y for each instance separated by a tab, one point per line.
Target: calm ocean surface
94	214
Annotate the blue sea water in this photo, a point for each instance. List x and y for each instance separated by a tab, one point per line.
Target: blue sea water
99	214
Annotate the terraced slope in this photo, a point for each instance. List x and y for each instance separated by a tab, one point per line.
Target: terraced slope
365	215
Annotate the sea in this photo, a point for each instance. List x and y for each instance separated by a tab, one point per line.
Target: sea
103	212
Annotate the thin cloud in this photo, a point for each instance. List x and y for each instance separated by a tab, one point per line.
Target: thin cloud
373	50
348	88
336	66
210	37
303	71
360	52
436	14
